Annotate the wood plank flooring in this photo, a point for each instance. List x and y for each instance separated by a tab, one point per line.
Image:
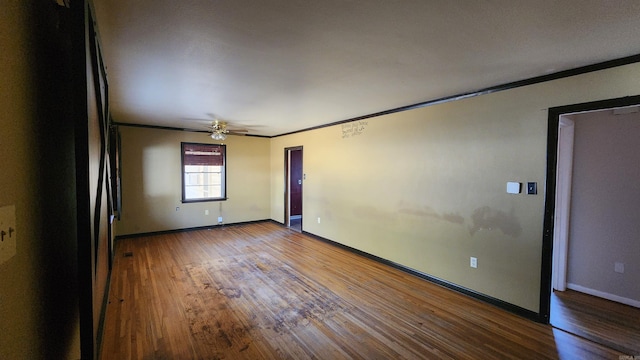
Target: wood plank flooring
605	322
262	291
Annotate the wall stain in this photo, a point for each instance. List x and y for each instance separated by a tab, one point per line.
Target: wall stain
489	219
453	218
483	218
371	212
429	212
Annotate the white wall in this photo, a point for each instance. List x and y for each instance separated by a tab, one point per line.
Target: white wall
605	205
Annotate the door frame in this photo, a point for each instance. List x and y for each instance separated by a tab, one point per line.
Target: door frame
553	136
287	184
562	213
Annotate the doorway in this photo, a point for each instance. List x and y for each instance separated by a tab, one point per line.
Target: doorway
293	187
579	312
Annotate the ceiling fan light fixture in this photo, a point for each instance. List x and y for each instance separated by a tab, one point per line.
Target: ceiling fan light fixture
216	135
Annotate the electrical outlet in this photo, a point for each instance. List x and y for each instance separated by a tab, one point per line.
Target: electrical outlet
219	219
206	212
618	267
473	262
318	220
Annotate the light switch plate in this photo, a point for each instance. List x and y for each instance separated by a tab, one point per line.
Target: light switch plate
8	233
513	187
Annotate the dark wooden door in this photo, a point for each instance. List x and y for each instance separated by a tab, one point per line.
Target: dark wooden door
295	182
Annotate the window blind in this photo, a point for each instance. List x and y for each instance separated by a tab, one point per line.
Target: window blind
203	154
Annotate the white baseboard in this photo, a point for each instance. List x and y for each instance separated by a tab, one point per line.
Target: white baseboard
604	295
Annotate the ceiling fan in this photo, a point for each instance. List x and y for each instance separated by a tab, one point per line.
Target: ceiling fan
219	130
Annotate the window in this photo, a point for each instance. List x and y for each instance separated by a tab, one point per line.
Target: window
203	172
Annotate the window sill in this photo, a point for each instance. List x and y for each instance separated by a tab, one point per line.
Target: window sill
203	200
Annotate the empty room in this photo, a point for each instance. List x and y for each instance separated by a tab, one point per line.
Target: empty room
320	180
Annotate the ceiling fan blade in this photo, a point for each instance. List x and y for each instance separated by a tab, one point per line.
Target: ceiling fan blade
215	125
198	120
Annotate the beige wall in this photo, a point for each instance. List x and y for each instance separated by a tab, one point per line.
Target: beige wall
151	182
38	286
426	188
604	226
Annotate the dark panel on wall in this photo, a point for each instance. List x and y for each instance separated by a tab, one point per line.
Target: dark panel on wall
92	182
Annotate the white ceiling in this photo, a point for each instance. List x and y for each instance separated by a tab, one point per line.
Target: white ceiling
276	66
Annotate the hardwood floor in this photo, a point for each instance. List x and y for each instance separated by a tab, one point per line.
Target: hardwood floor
296	224
599	320
262	291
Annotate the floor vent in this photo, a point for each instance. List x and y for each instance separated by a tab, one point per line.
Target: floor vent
128	254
